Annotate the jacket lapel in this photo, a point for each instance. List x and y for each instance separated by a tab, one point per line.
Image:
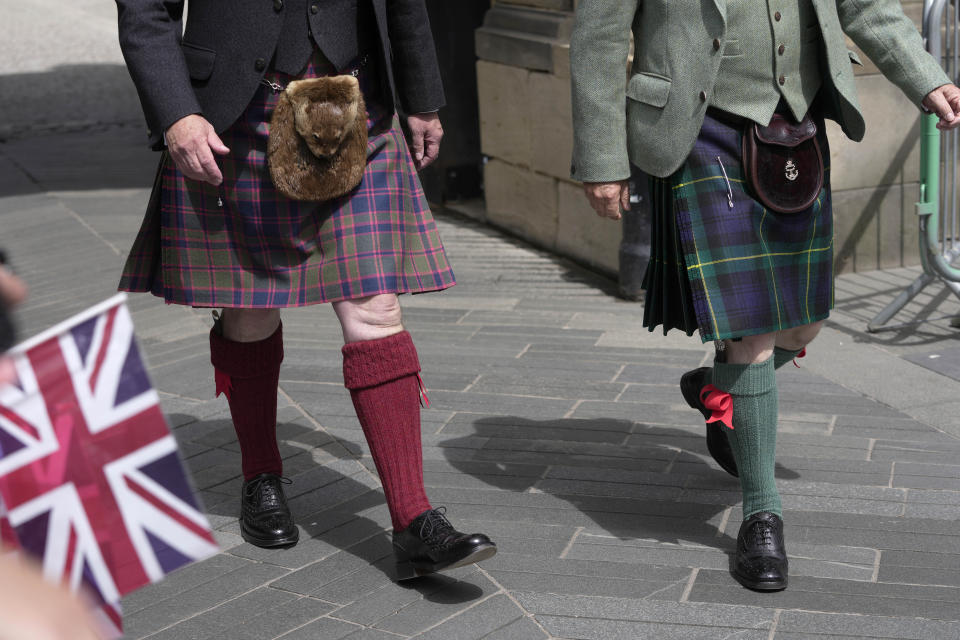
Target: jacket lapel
721	7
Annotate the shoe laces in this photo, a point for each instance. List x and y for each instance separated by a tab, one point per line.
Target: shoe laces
762	534
436	530
268	486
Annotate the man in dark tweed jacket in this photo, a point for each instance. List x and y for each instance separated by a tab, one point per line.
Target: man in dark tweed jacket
218	234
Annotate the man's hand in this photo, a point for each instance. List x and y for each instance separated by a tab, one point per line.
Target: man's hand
192	143
945	102
31	607
608	199
426	133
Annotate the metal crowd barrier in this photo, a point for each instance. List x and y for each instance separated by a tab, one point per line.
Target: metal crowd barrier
939	207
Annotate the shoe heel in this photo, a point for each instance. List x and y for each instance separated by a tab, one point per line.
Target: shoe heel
406	570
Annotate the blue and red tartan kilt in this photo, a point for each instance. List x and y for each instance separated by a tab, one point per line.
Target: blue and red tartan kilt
243	244
724	264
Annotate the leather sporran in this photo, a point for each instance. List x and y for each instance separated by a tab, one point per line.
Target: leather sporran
783	163
317	148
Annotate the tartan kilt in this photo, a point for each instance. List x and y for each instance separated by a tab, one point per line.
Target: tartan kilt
734	271
243	244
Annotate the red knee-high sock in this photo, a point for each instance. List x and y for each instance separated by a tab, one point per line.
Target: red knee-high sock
382	378
248	374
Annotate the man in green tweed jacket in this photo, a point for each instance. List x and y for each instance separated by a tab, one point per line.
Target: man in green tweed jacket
755	278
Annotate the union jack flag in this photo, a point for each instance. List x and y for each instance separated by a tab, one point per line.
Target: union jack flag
90	478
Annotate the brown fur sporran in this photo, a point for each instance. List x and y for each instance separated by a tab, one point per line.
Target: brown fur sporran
317	148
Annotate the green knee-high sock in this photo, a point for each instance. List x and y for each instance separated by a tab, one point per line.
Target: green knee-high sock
783	356
753	438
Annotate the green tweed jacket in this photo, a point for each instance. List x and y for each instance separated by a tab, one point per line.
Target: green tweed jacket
654	117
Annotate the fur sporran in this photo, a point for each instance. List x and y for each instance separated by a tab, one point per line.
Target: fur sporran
783	163
318	138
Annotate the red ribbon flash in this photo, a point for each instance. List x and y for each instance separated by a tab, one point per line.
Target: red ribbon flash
720	404
802	353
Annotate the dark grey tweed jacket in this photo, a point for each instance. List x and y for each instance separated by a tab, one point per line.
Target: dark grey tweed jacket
215	67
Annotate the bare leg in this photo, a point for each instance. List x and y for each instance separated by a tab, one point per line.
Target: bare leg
250	325
798	338
369	318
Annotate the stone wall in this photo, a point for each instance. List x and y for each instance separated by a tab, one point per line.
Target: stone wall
523	76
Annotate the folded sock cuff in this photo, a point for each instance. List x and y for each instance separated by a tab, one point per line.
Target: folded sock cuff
783	356
369	363
246	359
745	379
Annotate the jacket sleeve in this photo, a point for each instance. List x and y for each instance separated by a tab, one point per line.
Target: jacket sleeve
599	46
891	40
150	34
414	57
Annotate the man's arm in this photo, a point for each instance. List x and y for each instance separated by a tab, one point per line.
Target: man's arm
599	47
150	33
892	42
415	67
417	76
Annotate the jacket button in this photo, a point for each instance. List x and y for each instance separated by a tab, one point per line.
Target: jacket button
314	8
782	80
777	16
260	64
780	49
716	44
277	5
703	96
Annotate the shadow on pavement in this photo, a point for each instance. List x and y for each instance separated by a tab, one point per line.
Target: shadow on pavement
653	483
76	127
65	97
325	502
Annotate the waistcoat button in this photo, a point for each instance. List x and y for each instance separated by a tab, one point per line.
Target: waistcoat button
716	44
314	8
782	80
780	49
277	5
260	64
777	16
703	96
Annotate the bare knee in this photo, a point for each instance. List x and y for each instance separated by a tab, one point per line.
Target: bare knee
369	318
249	325
797	338
749	349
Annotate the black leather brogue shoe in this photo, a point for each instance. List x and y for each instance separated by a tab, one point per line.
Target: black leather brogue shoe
761	561
430	544
265	519
717	444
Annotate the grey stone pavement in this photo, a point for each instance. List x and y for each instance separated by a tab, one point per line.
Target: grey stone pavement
557	427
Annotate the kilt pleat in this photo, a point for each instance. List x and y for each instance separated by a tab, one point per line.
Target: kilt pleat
243	244
733	271
668	302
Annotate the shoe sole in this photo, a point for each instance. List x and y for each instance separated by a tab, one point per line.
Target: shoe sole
270	543
409	571
754	585
690	393
714	430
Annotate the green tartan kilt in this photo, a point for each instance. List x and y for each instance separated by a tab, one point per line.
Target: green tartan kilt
733	271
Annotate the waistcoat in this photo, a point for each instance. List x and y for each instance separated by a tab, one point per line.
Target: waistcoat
772	52
340	28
